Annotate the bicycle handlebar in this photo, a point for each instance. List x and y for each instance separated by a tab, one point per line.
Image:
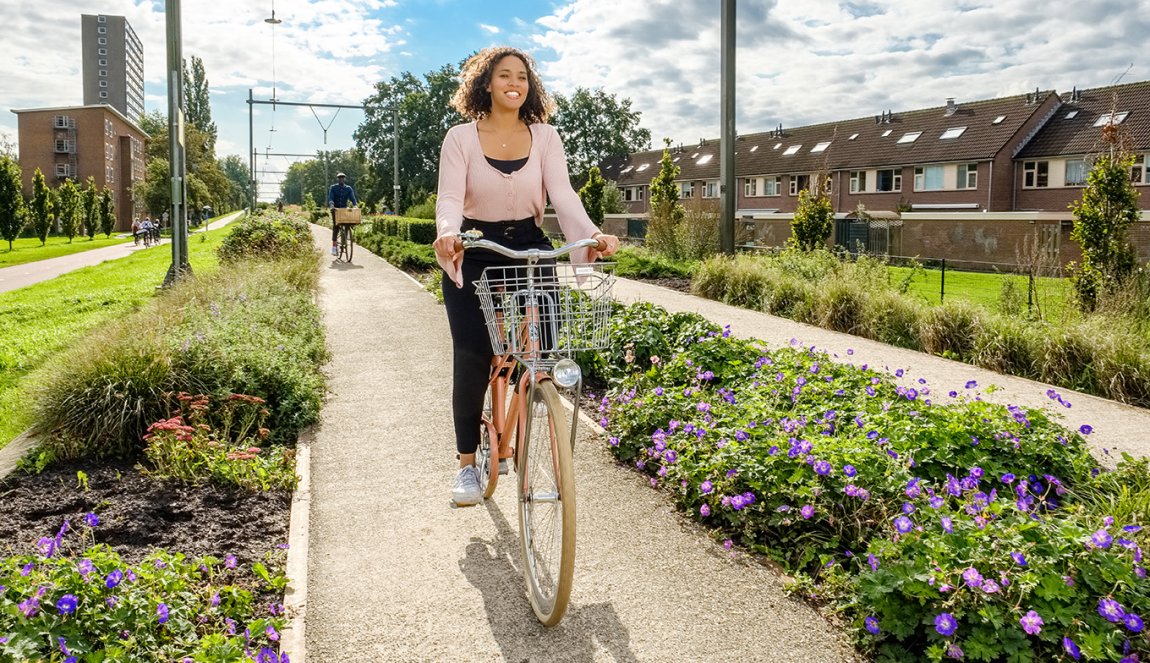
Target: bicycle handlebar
471	240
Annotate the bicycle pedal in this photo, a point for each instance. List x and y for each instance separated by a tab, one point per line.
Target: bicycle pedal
504	466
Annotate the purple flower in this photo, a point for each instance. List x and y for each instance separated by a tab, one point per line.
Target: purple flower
85	567
871	625
92	520
1007	478
162	613
215	601
954	651
1031	623
114	578
990	587
972	577
947	525
230	561
1071	649
1086	429
658	391
849	470
822	468
945	624
1111	610
807	511
1133	622
1018	558
272	634
903	524
873	561
67	604
29	607
705	510
971	384
706	487
1102	539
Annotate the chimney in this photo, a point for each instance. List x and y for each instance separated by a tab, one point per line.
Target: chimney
950	106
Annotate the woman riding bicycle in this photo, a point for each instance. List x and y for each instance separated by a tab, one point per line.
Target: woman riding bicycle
495	175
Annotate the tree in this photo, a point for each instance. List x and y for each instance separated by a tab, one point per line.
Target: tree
425	115
314	176
71	208
107	212
11	200
814	216
592	195
666	212
595	125
91	208
1102	220
42	209
206	182
236	170
197	101
613	202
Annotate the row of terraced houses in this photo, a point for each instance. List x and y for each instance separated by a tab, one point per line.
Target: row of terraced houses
966	181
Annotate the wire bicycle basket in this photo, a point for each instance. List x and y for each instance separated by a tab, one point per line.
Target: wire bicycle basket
540	313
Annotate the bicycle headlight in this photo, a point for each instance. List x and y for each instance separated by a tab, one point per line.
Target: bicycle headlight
566	373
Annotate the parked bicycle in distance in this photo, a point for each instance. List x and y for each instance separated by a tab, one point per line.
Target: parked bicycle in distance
538	316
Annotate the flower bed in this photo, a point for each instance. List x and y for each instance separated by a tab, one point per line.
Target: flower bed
935	524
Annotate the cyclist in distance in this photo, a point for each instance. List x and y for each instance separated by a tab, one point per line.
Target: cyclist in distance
495	175
339	195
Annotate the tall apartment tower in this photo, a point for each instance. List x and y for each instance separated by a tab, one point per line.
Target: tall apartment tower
113	64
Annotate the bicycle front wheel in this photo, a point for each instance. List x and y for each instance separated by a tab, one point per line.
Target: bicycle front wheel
547	505
487	455
346	243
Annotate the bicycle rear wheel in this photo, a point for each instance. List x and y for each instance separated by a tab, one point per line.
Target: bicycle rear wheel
547	505
486	456
346	242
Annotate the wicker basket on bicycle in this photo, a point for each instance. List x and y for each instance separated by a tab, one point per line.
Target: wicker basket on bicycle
541	313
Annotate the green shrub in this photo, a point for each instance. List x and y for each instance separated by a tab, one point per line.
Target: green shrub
893	319
251	329
1067	357
841	306
643	263
267	236
424	210
405	255
1006	346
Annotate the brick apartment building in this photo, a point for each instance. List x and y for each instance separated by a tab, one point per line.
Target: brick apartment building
76	142
965	180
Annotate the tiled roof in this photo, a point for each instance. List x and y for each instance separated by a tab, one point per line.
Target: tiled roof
766	153
1077	135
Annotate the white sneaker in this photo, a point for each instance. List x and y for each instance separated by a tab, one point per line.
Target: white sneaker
465	490
335	250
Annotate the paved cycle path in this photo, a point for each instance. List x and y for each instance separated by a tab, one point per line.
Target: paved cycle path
396	574
20	276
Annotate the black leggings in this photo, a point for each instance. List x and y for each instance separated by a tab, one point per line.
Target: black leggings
470	343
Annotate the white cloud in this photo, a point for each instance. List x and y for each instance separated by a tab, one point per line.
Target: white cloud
490	28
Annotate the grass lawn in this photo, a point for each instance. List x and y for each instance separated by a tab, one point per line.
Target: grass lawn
985	289
25	250
37	321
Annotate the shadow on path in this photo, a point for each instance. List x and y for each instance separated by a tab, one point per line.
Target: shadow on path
493	568
341	266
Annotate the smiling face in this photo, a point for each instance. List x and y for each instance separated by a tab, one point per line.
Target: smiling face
509	84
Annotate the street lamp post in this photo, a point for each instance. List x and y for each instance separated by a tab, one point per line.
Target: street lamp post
177	166
395	158
727	140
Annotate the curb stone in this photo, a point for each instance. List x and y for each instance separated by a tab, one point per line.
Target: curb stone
12	452
292	640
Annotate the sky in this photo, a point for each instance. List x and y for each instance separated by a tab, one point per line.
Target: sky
798	62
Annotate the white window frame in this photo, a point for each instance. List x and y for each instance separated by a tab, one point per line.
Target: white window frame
101	51
62	170
773	186
921	176
895	177
858	181
103	41
101	19
821	147
1084	169
686	189
967	176
750	187
795	186
793	149
103	94
711	189
1104	118
101	30
908	137
1035	174
952	133
1140	171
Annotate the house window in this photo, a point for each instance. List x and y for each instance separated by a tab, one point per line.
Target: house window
773	186
1105	118
711	189
1140	171
928	178
967	176
103	63
102	30
888	180
65	146
103	72
1035	174
686	189
750	187
103	83
101	51
798	183
791	150
909	137
858	181
1076	170
103	95
61	122
62	170
821	147
101	19
953	132
102	41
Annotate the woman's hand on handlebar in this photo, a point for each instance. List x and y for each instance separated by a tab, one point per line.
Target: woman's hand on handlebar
608	245
447	246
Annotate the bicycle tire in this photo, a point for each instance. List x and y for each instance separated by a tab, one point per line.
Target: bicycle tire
547	505
346	243
487	456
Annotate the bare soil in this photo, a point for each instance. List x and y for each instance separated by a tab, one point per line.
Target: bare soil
140	512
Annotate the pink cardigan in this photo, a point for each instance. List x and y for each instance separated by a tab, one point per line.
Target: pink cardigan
470	187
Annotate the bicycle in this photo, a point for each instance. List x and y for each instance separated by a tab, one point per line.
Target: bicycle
345	239
538	317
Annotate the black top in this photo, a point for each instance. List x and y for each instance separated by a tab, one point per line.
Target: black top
506	166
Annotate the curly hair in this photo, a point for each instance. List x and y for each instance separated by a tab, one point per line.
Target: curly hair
472	99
